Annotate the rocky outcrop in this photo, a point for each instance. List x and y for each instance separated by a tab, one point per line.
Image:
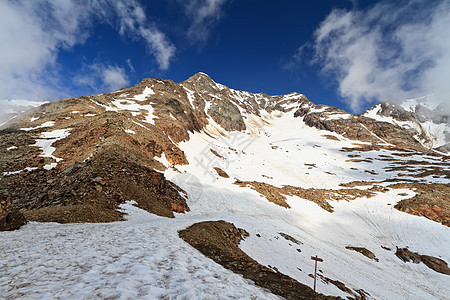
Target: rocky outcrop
319	196
100	184
219	240
428	123
359	128
10	218
431	262
366	252
431	201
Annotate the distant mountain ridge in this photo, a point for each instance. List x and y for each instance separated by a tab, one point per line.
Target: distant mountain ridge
430	125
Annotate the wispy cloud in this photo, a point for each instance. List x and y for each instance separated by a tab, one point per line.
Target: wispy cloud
390	51
204	16
33	33
133	22
130	65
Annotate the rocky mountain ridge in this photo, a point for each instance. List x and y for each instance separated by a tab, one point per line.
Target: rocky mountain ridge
428	124
145	123
198	150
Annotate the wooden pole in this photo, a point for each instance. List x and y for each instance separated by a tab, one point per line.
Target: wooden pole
316	259
315	275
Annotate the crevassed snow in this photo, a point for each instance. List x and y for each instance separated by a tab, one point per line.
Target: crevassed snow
142	258
46	124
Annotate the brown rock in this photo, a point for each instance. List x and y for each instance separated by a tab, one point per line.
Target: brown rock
431	262
10	218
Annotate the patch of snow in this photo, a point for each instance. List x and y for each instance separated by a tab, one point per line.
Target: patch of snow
11	148
130	131
89	157
147	92
46	124
318	110
20	171
292	96
190	95
45	142
32	119
163	160
338	116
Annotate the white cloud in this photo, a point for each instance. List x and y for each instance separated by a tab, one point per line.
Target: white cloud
158	43
204	15
108	78
30	47
33	33
114	78
390	51
132	21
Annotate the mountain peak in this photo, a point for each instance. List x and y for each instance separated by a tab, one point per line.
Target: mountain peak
199	75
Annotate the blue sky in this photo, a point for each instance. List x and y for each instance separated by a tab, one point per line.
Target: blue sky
349	54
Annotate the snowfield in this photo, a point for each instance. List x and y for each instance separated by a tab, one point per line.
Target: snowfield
143	257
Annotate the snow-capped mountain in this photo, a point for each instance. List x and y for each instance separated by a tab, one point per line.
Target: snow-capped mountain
428	123
259	184
9	109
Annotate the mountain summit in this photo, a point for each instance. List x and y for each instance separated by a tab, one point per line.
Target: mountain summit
257	183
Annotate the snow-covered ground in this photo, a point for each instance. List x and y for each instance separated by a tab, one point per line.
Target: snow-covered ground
143	258
282	154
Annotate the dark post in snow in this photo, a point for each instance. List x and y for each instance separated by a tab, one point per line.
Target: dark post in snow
316	259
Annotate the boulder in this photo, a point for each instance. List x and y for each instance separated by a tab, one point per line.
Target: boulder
10	218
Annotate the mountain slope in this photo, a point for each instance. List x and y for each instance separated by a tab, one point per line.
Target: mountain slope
429	124
301	179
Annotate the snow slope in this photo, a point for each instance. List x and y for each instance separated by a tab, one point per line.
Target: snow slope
143	258
369	223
